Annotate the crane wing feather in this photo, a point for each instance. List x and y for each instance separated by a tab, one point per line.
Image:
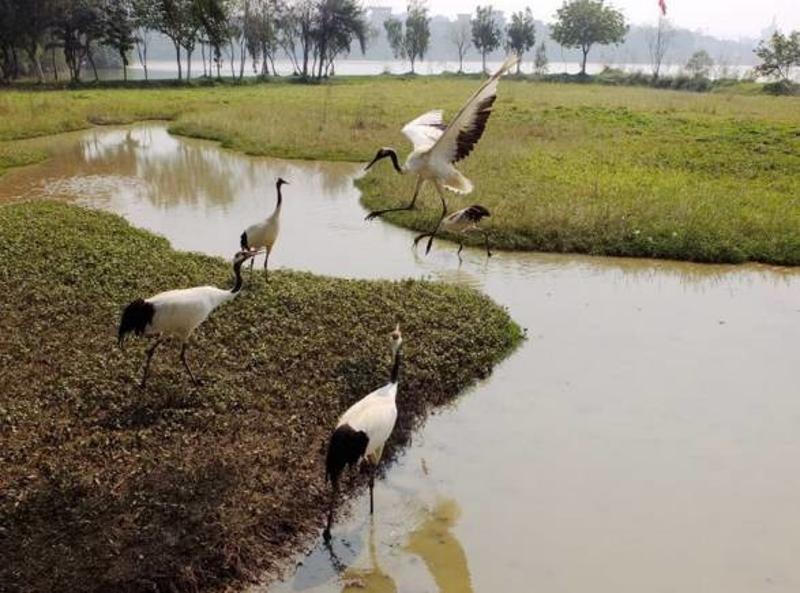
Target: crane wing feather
463	133
424	131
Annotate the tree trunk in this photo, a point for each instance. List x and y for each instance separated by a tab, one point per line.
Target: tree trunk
242	57
189	63
483	59
90	57
178	59
461	61
583	61
55	67
203	56
33	55
519	64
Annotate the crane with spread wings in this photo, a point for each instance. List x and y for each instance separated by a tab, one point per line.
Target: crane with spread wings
438	146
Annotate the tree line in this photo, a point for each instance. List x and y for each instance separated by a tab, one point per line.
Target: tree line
311	33
42	35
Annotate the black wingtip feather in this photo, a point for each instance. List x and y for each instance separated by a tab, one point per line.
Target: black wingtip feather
467	139
243	241
346	447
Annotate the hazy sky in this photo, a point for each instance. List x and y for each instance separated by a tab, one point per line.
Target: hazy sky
723	18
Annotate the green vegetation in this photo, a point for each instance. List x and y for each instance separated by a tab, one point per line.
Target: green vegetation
573	168
106	487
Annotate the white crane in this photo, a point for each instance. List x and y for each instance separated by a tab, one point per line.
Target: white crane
461	222
438	146
177	313
362	431
262	235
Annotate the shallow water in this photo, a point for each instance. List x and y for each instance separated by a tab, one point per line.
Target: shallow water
644	438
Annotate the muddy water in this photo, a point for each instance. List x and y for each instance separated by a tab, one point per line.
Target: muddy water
645	437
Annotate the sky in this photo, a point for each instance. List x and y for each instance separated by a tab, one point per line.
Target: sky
729	19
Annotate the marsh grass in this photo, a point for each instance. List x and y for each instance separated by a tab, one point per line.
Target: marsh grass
106	487
562	167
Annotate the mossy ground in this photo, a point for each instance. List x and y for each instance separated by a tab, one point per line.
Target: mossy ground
107	487
563	167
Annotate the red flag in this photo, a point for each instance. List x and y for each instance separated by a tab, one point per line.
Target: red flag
663	6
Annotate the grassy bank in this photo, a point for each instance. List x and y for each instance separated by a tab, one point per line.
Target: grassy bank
563	167
105	487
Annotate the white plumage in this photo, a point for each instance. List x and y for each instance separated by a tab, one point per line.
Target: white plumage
177	313
362	431
375	416
438	146
264	234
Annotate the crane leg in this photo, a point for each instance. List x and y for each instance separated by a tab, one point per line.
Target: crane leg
419	238
486	241
150	352
409	206
438	224
266	261
326	534
372	489
460	248
186	364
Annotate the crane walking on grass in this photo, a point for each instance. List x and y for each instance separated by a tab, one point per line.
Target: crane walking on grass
264	234
438	146
177	313
362	431
461	222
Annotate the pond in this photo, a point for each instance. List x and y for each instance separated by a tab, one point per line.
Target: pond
644	437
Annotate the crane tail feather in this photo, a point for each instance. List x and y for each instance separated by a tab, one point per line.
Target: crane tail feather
346	447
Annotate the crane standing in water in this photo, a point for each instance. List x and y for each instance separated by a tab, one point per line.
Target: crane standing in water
362	432
438	146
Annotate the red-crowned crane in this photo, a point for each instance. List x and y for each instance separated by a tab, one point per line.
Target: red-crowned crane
264	234
362	431
461	222
177	313
438	146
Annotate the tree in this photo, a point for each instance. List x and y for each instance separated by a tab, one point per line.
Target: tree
177	19
779	55
540	60
145	19
460	35
339	23
32	23
262	35
412	43
700	64
584	23
76	26
521	34
486	33
118	30
212	18
658	42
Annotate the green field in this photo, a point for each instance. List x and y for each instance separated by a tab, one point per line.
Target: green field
563	167
107	487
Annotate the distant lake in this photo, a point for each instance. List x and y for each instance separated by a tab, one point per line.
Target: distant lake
165	69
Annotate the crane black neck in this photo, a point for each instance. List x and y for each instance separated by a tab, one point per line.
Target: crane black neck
395	162
395	367
237	273
280	196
